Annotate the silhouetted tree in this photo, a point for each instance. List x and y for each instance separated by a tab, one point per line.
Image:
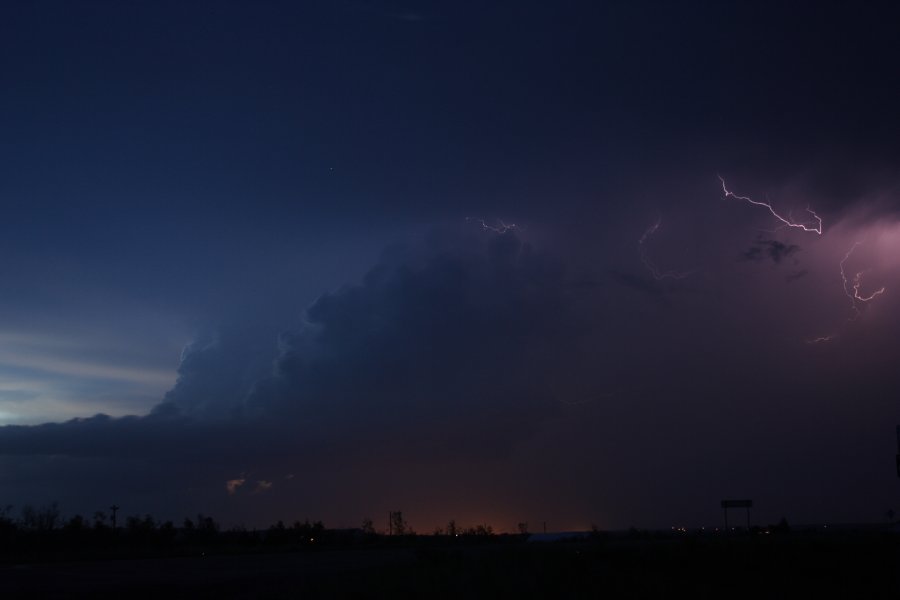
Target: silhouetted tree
206	528
7	524
451	528
277	533
398	525
43	518
368	527
167	531
75	525
479	530
306	532
140	530
99	520
782	526
207	524
598	534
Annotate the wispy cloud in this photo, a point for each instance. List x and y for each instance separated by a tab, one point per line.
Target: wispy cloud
54	377
232	485
262	486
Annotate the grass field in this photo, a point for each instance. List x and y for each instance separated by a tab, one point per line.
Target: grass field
797	565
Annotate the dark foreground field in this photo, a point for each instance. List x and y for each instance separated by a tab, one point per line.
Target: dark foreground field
790	566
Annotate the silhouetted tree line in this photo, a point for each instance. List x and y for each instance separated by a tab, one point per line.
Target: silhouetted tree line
42	531
478	531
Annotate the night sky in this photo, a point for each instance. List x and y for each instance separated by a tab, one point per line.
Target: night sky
577	262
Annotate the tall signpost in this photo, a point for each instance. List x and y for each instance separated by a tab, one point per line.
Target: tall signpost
726	504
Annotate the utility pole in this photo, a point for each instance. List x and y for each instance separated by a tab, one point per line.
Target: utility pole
114	508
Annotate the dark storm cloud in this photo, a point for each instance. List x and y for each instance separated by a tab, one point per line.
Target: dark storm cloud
639	283
456	347
475	350
219	369
775	250
461	330
228	165
838	185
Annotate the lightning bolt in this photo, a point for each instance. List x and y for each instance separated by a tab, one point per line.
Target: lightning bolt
852	285
851	290
500	228
654	270
787	222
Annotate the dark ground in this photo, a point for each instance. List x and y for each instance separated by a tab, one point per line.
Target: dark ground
796	565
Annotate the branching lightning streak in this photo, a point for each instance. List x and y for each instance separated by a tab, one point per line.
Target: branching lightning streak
500	228
788	222
851	289
852	285
654	270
